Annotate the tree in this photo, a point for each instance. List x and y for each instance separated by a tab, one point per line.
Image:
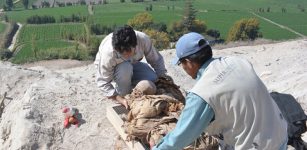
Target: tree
9	4
189	15
141	21
159	39
198	26
244	29
6	18
161	27
4	7
177	30
214	33
189	23
25	3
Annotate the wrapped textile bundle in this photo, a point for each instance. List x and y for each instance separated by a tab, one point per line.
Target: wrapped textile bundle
154	111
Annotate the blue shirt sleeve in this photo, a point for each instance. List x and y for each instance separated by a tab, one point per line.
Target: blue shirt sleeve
195	117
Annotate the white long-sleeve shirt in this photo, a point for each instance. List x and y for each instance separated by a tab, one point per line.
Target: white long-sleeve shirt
107	59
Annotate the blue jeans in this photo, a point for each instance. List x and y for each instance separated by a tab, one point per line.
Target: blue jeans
127	75
284	146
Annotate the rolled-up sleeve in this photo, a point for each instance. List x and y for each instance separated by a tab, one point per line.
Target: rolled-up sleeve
194	118
153	57
104	71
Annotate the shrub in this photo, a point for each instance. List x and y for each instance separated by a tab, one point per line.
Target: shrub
214	33
159	39
141	21
244	29
177	30
5	54
40	19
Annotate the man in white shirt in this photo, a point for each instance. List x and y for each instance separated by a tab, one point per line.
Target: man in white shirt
118	60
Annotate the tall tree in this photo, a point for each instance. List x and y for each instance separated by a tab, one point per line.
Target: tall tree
189	14
189	23
25	3
9	4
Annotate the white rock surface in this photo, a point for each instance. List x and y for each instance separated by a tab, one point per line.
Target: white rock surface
33	119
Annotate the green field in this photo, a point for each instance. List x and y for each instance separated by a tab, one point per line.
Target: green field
21	16
296	21
220	15
49	42
26	54
49	31
118	13
2	27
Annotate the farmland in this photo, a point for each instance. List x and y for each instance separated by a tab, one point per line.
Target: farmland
2	28
49	41
21	16
49	31
219	15
294	20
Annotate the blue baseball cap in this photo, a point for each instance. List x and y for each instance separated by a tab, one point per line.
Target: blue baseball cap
188	45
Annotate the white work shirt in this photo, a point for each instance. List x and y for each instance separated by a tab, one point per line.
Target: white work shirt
108	58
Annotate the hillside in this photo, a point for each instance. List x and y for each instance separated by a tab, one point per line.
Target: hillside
33	119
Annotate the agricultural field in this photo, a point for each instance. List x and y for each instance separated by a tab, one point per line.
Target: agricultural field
49	32
2	27
49	42
220	15
118	13
21	16
2	34
296	21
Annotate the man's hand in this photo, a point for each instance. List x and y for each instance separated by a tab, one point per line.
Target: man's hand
121	100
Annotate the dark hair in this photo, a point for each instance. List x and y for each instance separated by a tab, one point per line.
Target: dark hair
201	56
124	38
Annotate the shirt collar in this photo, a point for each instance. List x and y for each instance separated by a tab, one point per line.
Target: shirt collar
203	68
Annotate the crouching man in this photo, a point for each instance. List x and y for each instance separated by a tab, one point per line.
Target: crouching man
118	60
229	99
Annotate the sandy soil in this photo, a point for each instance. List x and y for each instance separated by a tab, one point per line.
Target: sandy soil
32	117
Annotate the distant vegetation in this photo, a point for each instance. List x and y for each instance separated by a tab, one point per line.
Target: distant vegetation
245	29
164	20
2	28
38	42
57	12
2	35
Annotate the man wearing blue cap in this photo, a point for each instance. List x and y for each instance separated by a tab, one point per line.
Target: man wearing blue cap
228	100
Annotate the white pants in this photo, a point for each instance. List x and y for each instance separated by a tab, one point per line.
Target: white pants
127	75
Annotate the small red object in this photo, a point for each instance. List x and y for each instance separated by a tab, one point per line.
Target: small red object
70	116
66	123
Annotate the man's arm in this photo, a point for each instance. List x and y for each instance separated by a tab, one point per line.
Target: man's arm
194	118
104	75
